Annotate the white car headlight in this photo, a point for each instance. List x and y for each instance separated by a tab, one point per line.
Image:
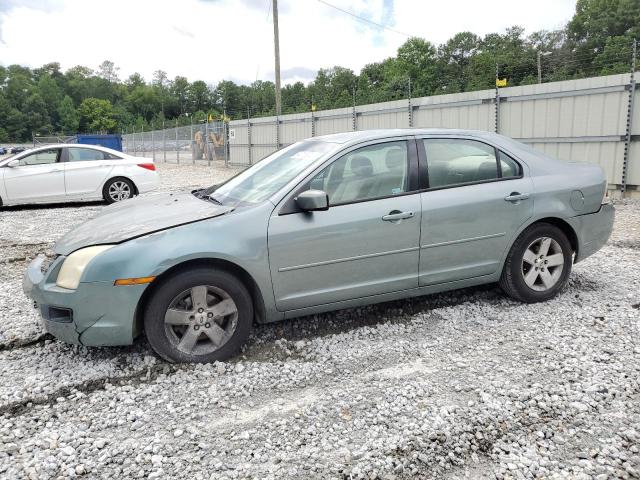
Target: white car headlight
74	265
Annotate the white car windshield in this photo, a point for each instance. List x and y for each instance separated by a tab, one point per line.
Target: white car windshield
266	177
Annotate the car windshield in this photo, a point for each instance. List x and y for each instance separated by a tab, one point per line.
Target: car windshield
266	177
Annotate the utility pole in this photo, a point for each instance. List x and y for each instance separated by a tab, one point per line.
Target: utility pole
276	42
540	55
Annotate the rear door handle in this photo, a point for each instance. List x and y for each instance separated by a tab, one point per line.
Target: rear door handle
396	215
516	197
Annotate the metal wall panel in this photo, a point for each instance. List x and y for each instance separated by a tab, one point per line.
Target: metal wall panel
259	152
295	128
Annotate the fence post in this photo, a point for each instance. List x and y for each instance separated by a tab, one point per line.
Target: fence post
153	144
627	138
164	143
313	124
409	105
206	142
497	117
249	135
193	157
225	136
142	139
177	146
354	121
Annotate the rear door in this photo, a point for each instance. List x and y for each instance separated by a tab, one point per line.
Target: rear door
39	176
85	170
477	199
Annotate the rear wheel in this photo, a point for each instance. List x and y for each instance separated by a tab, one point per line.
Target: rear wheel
118	189
538	264
199	316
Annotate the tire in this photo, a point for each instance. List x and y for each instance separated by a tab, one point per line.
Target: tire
118	189
180	331
530	275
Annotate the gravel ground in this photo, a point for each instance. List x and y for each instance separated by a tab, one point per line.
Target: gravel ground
467	384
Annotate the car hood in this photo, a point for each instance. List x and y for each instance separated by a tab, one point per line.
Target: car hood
137	217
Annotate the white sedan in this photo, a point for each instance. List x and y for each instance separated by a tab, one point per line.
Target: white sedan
74	172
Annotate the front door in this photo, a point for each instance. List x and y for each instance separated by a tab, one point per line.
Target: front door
39	176
478	197
366	243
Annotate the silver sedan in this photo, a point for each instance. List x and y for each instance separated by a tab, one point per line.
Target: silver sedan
327	223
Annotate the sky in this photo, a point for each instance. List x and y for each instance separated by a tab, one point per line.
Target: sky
215	40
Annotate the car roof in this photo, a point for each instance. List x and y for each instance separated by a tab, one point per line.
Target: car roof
80	145
364	135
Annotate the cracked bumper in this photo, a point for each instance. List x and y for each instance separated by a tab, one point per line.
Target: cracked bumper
95	314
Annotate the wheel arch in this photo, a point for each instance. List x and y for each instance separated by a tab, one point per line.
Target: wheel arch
213	263
566	228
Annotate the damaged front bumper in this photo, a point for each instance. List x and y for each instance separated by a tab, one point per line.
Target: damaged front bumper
95	314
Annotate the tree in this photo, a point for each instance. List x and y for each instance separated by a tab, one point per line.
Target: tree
417	59
108	71
68	116
596	21
97	115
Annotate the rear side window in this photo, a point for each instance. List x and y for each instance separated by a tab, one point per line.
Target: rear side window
86	154
458	161
510	168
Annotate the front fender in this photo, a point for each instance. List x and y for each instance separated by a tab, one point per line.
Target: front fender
239	238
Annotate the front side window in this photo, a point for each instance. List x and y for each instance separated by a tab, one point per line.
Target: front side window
458	161
85	154
41	157
262	180
374	171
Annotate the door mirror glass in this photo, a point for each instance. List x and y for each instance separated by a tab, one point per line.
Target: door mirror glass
13	163
313	200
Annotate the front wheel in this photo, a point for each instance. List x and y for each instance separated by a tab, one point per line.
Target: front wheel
198	315
538	264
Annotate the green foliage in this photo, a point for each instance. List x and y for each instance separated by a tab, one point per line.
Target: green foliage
597	41
68	117
97	115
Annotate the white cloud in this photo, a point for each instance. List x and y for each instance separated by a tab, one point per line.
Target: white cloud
226	39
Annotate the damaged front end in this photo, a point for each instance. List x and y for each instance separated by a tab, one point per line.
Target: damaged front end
96	313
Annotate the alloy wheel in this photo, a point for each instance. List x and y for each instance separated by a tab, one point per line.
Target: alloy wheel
542	264
119	190
201	320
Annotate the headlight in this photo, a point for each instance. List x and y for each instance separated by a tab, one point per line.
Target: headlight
74	265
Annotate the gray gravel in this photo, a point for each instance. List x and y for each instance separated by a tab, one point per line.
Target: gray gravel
467	384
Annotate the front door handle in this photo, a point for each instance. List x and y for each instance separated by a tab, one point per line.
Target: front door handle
395	215
516	197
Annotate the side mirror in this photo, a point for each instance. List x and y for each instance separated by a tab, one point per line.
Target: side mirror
13	163
313	200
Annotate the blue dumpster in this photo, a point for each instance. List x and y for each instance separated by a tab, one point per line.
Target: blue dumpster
110	141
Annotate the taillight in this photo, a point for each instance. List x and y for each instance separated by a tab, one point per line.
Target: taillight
148	166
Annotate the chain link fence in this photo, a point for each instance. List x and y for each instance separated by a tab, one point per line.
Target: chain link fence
198	143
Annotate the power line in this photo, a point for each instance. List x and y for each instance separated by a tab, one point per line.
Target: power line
366	20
